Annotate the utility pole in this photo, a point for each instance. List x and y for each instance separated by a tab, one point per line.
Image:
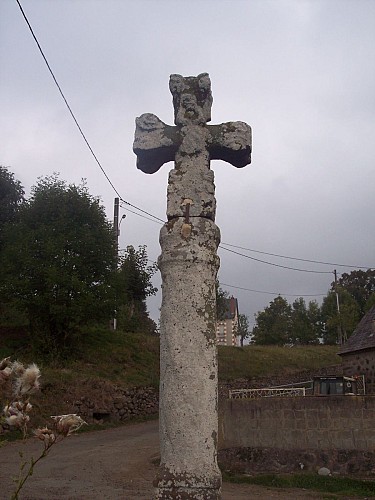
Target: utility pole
115	221
116	233
340	328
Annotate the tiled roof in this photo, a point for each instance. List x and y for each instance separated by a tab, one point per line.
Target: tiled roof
363	336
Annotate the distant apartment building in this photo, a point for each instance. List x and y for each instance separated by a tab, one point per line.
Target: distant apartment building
226	328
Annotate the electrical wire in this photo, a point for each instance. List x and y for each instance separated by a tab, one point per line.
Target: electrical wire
75	119
296	258
158	221
276	293
275	265
161	221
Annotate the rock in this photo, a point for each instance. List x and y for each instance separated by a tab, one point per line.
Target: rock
323	471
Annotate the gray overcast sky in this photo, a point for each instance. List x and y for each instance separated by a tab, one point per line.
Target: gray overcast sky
301	73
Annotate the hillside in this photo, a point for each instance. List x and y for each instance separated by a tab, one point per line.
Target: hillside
106	360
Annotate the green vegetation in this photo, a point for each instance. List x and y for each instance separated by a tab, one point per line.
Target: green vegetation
260	361
243	329
281	323
103	360
59	269
336	487
133	286
132	359
57	264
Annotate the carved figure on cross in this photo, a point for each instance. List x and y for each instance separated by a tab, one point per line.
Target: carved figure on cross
191	143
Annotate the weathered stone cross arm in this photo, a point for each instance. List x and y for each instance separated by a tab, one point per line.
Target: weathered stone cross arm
230	142
156	143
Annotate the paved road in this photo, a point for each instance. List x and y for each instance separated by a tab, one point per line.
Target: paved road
106	465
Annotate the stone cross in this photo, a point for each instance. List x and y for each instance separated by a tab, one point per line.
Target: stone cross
189	265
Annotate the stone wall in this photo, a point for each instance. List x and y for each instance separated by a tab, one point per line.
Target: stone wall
278	461
286	434
315	422
361	363
120	406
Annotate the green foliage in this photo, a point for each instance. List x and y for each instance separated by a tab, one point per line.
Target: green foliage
273	325
305	322
242	329
334	485
11	197
347	319
57	263
284	324
261	360
130	360
221	301
360	285
134	285
370	302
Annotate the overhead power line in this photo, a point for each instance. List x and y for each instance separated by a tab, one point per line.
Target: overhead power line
143	216
154	218
275	265
275	293
75	119
296	258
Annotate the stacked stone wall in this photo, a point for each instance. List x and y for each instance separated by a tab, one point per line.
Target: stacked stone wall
275	460
361	363
305	432
120	406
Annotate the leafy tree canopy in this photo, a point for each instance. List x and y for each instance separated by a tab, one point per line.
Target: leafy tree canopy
283	324
360	284
305	322
334	322
221	301
242	329
134	285
273	325
58	261
11	197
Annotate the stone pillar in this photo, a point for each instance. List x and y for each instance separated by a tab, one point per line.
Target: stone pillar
189	265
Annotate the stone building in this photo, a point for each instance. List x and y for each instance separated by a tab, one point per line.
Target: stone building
358	353
227	327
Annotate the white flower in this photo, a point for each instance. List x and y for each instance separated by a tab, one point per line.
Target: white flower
46	435
5	363
5	369
67	424
14	415
27	380
5	373
17	368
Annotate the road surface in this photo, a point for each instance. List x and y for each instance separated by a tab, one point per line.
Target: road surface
111	464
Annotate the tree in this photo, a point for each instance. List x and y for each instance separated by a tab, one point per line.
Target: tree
304	322
315	317
347	320
58	261
360	284
370	302
273	325
11	197
242	329
222	297
134	285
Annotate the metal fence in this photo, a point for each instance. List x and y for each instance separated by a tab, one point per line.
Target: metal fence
266	393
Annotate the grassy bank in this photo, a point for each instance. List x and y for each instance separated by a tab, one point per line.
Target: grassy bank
330	487
105	359
262	361
132	359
